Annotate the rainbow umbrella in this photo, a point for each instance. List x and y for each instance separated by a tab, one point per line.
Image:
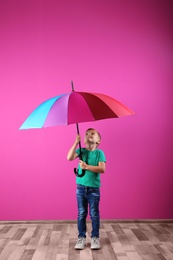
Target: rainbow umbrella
73	108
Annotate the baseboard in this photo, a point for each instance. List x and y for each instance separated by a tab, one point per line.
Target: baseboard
88	221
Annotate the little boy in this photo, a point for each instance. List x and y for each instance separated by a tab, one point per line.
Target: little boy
88	186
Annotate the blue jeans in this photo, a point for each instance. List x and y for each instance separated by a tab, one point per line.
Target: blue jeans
88	196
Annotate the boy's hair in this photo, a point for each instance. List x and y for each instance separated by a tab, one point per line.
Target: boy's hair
97	133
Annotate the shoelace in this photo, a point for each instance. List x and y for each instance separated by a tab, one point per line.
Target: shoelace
80	240
95	240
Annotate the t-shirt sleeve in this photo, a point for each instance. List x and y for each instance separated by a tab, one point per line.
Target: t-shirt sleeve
102	157
77	151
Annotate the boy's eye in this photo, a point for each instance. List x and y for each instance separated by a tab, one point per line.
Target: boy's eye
90	134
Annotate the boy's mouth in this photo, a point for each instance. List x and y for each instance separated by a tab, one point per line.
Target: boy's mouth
90	139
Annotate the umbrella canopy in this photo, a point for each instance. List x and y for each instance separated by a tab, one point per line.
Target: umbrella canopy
75	107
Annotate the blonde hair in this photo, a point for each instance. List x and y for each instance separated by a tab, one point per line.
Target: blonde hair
96	132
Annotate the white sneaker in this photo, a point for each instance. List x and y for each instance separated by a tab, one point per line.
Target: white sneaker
81	243
95	243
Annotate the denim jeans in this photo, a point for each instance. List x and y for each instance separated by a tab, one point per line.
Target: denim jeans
88	196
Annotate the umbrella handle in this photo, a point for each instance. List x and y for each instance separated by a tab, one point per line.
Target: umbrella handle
80	157
75	170
79	141
77	174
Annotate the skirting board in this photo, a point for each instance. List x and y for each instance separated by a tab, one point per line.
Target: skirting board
88	221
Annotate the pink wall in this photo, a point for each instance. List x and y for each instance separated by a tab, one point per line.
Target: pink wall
120	48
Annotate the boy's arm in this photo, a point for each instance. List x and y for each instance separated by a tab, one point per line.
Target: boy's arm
71	153
98	169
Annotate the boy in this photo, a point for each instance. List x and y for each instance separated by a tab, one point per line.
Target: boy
88	186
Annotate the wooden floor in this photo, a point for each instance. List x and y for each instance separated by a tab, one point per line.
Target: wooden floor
55	241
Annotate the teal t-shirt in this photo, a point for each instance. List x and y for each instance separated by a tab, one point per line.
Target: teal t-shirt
90	179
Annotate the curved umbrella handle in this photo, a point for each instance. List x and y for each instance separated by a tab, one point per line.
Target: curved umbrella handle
75	170
77	174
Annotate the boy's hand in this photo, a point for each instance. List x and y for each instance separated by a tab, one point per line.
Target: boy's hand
83	165
78	139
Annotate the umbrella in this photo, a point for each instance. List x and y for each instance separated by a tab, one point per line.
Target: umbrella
73	108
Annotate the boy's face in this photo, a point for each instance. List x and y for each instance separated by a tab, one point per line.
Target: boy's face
92	136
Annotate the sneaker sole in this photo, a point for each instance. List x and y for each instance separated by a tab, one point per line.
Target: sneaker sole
94	248
79	248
